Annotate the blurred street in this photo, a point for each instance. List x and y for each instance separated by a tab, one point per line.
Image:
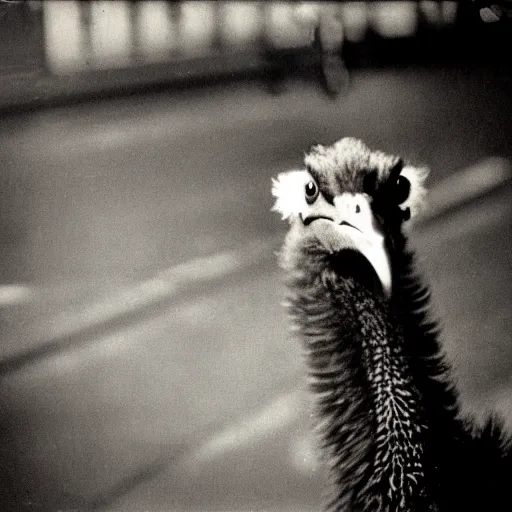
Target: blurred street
194	400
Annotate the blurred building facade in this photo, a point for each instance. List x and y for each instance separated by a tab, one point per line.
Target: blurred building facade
96	34
55	38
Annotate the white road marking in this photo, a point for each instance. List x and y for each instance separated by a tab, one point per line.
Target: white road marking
163	286
467	184
13	294
277	415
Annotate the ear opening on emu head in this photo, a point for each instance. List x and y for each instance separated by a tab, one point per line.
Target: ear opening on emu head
349	263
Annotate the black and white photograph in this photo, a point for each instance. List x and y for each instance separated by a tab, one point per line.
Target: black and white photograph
255	256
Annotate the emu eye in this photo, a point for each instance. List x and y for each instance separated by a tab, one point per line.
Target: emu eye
402	189
311	191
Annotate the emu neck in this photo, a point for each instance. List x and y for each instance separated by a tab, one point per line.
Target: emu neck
395	480
369	410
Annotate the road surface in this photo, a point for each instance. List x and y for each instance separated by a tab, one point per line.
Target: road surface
198	402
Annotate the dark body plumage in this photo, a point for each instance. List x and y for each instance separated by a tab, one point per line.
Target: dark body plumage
388	412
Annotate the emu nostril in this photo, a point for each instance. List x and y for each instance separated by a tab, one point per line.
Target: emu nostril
358	208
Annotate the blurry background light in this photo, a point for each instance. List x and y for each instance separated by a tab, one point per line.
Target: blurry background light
449	9
355	17
437	13
284	30
241	22
394	19
64	36
110	33
197	26
155	30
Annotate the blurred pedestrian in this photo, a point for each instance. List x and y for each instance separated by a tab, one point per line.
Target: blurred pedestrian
326	25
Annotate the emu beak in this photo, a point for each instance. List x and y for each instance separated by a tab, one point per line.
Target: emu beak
350	226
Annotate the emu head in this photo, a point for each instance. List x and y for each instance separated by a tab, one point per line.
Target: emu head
350	202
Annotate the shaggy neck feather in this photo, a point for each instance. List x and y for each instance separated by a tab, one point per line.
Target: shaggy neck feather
371	415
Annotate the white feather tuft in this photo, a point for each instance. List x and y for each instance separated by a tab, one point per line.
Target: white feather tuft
418	194
288	189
